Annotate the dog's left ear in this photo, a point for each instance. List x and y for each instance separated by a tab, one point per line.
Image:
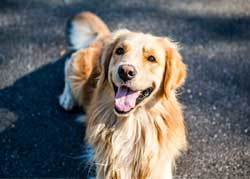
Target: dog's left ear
175	69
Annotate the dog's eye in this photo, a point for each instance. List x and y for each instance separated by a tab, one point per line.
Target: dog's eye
119	51
151	58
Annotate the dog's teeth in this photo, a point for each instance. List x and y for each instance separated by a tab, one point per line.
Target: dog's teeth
146	93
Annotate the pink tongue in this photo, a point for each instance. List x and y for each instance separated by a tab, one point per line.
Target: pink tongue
125	99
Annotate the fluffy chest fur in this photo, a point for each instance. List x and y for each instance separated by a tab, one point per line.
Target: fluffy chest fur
134	146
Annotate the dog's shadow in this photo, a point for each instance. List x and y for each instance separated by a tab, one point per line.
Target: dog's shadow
36	136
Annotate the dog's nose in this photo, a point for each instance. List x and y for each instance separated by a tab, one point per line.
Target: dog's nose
126	72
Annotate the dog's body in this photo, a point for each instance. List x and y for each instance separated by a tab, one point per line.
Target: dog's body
126	82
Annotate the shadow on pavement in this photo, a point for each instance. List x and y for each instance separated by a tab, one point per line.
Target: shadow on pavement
37	137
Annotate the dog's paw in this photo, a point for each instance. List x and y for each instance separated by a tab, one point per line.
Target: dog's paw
91	178
66	100
80	119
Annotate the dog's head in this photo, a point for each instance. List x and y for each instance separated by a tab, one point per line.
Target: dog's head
140	68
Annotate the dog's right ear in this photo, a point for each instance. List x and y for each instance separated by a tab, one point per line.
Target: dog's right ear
106	56
107	51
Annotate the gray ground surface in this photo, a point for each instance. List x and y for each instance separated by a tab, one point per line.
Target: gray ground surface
38	139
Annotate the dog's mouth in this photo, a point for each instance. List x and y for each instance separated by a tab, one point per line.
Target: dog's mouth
127	99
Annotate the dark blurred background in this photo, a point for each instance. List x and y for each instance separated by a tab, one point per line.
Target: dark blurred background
38	139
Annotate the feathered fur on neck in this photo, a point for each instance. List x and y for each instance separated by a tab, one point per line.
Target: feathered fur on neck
129	147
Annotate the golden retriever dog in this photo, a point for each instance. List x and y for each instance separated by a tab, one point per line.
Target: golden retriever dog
126	81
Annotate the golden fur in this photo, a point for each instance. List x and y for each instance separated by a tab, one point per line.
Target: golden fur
145	142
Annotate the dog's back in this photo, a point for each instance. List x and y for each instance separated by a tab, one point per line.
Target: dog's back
86	35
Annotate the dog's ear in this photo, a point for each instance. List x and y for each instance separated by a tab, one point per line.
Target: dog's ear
106	56
175	69
107	52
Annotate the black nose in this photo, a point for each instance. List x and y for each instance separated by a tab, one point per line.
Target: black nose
126	72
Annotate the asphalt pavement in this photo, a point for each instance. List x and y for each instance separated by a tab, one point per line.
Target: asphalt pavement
39	139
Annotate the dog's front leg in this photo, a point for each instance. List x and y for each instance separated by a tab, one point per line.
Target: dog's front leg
66	99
